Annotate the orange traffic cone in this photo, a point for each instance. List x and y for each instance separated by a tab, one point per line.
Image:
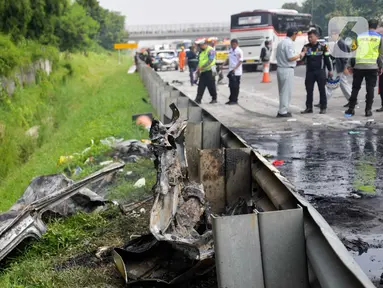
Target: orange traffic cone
266	75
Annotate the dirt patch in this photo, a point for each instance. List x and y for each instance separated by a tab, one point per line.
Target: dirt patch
88	260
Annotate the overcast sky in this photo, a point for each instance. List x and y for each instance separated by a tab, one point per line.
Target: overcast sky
193	11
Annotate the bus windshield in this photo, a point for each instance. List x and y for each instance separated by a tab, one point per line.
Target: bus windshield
251	19
282	22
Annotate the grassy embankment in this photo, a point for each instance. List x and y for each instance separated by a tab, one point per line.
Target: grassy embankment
86	98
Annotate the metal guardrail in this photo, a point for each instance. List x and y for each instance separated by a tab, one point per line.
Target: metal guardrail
178	28
210	144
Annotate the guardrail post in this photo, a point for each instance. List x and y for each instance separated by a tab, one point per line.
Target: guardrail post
238	178
212	176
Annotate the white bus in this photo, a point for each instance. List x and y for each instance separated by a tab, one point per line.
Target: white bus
252	29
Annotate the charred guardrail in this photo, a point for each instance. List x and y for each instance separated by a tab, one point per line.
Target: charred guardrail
229	170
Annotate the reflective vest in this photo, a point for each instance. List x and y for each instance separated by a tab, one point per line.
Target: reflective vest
204	59
368	48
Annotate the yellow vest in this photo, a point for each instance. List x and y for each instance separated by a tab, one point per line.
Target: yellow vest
204	59
368	48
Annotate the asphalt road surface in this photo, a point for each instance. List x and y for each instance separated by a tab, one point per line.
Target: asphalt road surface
335	161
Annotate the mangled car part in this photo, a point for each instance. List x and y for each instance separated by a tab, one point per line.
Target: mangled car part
146	260
181	244
179	205
16	226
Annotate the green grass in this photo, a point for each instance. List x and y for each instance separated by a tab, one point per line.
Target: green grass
86	98
65	257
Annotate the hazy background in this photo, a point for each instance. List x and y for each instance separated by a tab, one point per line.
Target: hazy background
176	12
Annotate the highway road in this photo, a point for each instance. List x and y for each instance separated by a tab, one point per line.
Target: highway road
336	162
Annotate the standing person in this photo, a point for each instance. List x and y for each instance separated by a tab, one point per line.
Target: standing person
181	57
286	61
192	60
235	60
266	52
380	81
149	60
368	62
317	56
340	66
206	79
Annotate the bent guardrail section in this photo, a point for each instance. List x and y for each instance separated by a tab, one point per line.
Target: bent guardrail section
229	168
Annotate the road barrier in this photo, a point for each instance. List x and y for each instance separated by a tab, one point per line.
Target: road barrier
230	169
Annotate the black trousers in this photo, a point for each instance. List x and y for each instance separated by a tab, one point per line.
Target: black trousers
234	84
318	76
371	76
206	79
381	87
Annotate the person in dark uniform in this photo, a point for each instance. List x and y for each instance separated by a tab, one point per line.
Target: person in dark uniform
317	57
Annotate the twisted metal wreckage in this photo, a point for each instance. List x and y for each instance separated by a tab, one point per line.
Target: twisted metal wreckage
181	243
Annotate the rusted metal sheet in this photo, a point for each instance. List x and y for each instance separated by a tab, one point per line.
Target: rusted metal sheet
238	252
193	138
212	176
238	175
211	135
283	248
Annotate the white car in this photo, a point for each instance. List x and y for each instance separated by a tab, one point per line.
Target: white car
165	60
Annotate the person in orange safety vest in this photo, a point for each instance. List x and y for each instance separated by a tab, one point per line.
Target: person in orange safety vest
182	56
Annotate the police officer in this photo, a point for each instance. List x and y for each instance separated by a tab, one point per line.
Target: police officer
368	62
317	56
206	78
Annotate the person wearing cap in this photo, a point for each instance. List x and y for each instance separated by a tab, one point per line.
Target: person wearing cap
181	57
206	78
340	65
367	65
286	62
317	58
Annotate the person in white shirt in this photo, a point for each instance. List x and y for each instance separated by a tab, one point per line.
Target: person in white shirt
235	60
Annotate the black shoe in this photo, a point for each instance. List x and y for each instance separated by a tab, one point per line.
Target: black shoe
317	105
197	101
368	113
288	114
307	111
350	112
380	109
231	103
348	105
322	111
213	102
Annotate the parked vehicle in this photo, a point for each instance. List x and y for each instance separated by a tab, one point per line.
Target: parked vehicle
252	29
165	60
222	52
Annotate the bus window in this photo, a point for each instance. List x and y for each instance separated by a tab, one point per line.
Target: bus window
246	20
282	22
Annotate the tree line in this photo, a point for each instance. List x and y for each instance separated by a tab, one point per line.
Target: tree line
324	10
70	25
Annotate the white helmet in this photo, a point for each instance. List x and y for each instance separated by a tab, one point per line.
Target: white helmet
333	83
200	41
